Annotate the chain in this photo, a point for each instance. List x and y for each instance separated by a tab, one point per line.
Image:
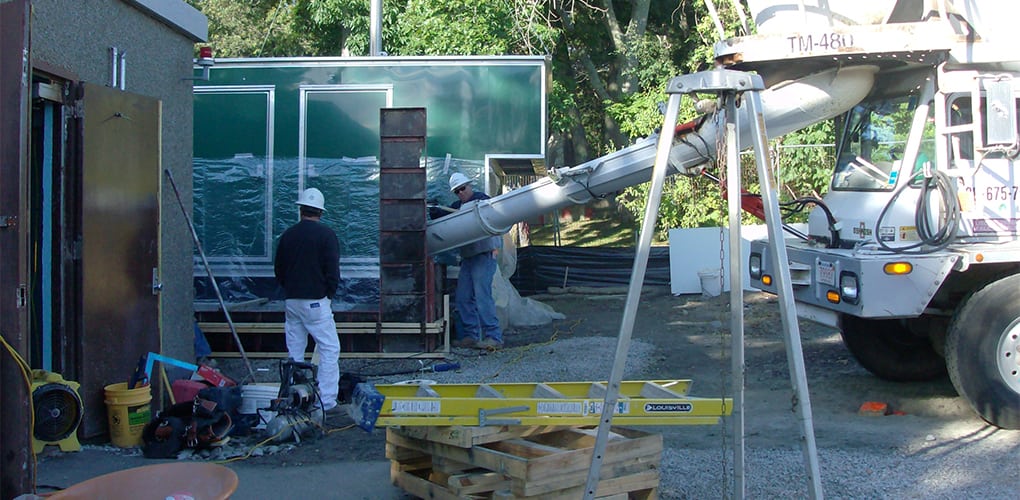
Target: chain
720	164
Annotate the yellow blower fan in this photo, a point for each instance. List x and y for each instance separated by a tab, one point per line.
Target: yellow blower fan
58	411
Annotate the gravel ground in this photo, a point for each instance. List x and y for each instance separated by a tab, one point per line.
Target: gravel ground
940	459
932	447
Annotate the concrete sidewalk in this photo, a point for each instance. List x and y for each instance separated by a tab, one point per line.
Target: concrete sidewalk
346	480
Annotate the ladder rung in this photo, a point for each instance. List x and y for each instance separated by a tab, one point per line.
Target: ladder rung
652	390
546	392
486	391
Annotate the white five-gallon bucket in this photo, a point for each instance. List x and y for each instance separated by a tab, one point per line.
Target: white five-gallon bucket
255	397
711	284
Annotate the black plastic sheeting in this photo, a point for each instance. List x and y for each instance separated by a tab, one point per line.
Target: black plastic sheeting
541	267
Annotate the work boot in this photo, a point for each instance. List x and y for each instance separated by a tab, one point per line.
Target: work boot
338	414
490	344
467	342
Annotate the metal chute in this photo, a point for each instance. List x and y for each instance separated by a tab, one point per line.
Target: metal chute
788	106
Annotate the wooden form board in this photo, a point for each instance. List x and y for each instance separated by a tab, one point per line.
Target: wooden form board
401	334
530	462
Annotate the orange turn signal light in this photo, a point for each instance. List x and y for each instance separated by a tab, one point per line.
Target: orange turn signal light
832	296
897	268
766	279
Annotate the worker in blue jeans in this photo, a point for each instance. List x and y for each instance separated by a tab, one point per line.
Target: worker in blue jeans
478	324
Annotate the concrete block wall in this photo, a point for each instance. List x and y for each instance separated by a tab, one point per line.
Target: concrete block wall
74	38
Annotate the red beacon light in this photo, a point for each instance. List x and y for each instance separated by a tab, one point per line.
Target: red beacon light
205	61
205	57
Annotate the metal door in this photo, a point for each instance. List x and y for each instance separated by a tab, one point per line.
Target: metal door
120	241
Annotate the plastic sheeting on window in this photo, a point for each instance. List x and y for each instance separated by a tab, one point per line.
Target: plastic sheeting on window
243	204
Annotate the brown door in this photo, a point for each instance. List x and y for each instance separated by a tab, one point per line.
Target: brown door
119	241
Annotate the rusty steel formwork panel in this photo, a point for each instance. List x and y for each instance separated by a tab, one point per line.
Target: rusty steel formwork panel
405	271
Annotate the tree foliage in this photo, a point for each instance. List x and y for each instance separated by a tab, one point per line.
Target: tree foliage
432	28
254	28
798	156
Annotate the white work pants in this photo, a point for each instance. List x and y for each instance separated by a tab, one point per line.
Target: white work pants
315	317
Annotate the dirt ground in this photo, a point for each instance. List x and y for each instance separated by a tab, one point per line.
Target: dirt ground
690	338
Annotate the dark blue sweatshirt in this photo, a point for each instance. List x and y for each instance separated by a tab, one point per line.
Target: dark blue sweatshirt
307	263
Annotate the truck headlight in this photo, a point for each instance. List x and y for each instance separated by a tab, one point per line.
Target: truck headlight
849	289
754	266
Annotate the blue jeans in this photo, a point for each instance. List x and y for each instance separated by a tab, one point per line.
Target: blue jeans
476	308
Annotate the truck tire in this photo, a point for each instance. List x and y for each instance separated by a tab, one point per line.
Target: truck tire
889	350
983	352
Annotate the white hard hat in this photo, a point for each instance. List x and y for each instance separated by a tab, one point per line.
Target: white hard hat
457	180
312	197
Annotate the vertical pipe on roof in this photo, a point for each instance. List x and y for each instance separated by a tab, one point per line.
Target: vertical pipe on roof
114	60
375	29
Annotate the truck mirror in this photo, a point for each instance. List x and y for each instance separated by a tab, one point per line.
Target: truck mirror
1000	115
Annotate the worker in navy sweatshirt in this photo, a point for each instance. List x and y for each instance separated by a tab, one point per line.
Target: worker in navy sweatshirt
307	266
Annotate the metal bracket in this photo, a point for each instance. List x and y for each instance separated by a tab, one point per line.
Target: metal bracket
157	285
483	415
720	80
78	109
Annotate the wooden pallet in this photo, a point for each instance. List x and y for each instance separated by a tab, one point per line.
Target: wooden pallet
532	462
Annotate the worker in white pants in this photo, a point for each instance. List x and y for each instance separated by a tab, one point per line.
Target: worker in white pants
307	266
315	317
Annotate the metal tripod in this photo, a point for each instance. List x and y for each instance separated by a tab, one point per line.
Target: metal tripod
729	87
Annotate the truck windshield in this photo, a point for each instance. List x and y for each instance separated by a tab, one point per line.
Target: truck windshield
872	144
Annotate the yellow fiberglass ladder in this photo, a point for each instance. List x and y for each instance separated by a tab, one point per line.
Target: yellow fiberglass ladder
657	402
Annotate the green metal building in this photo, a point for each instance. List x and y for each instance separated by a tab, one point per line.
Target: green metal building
264	129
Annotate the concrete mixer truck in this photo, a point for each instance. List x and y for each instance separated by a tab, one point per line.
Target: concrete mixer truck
913	254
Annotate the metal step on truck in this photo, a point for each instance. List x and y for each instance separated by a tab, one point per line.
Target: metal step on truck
913	253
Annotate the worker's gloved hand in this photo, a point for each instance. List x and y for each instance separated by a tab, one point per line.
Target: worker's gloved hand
435	211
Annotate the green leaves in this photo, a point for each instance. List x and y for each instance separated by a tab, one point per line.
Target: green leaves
454	27
254	28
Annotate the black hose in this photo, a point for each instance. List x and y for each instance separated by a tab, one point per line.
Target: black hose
932	239
792	207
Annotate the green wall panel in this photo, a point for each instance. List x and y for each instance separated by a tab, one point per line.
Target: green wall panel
264	128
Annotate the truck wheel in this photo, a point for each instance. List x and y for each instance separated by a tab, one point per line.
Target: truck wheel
983	352
888	349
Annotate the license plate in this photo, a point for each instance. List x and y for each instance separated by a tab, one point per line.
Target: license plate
989	202
825	273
